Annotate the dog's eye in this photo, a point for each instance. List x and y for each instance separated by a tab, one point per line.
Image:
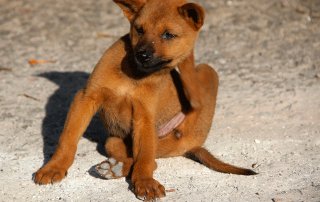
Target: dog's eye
168	36
140	30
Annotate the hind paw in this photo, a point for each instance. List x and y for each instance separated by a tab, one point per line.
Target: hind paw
110	169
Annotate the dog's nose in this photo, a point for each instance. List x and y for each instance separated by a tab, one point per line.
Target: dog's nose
143	56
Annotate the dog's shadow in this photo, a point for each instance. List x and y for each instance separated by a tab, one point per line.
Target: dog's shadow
57	109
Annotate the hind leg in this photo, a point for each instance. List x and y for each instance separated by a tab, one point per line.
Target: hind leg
120	159
188	137
193	131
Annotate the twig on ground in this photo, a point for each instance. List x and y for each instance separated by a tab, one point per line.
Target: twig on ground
5	69
298	10
28	96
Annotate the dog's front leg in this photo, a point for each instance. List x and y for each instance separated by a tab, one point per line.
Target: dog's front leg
144	149
80	114
190	81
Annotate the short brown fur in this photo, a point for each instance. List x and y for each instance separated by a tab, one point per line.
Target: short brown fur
135	89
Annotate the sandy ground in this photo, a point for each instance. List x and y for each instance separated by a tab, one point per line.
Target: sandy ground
266	52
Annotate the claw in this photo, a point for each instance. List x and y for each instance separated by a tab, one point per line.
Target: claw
142	198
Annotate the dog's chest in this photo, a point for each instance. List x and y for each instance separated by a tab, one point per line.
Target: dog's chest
116	114
122	98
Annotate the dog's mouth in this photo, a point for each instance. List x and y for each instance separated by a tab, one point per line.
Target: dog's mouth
152	65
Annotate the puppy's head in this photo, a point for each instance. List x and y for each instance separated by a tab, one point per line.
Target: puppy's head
163	32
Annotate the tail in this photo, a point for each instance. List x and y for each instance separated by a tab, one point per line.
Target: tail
210	161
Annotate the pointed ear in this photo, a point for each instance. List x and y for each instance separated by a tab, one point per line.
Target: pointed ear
193	14
130	7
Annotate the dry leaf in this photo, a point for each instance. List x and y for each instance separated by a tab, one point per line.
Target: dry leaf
105	35
170	190
34	61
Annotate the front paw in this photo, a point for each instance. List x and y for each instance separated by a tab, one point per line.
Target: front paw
49	175
149	189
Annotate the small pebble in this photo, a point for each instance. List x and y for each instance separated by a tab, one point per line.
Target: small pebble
255	165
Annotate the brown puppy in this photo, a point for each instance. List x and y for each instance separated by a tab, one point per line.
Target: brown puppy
149	109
